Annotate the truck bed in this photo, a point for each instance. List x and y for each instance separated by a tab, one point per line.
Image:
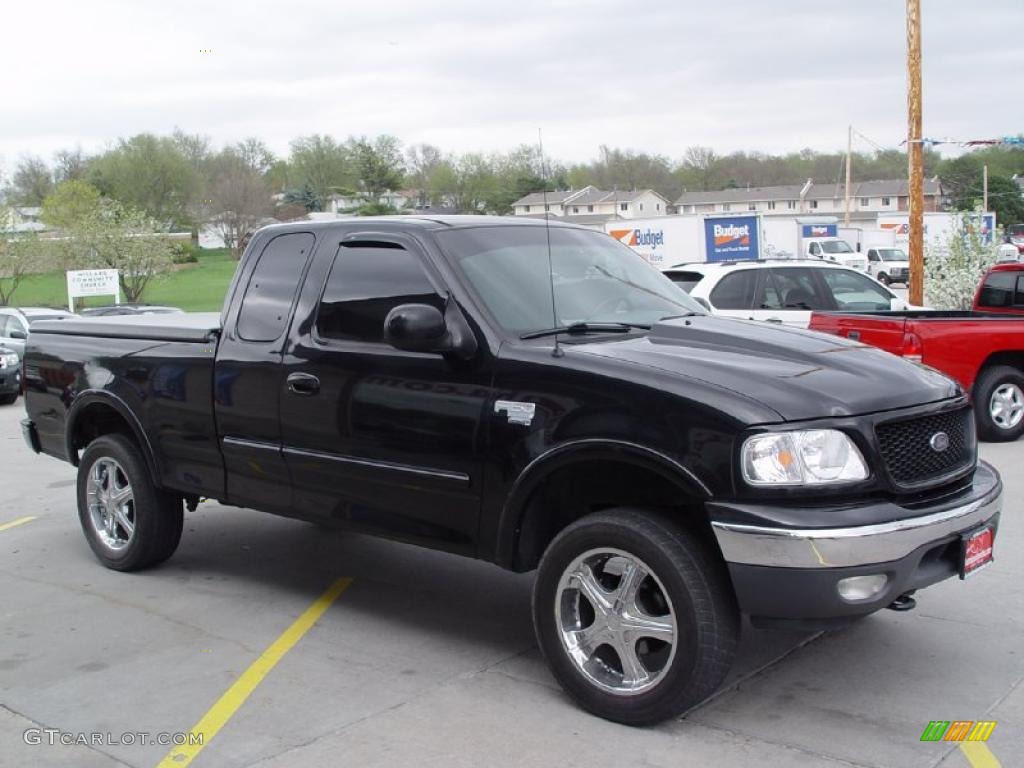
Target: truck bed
189	327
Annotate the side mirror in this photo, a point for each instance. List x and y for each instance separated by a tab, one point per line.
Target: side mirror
17	333
416	328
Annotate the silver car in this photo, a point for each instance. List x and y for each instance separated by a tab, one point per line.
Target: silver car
15	323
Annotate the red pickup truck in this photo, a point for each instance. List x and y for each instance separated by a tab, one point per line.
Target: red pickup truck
983	349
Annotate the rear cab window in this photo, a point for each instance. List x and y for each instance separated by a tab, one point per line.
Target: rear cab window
272	287
1001	290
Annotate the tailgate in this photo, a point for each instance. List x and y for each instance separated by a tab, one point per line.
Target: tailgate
878	331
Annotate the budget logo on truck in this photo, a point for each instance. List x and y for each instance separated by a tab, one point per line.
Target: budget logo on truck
731	238
645	241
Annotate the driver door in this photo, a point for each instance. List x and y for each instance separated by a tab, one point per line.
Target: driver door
377	438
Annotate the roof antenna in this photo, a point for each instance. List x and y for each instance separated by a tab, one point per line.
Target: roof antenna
557	352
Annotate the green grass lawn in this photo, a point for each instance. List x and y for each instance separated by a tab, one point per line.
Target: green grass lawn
198	287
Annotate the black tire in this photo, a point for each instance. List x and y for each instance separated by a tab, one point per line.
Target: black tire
997	379
156	515
686	570
8	399
884	279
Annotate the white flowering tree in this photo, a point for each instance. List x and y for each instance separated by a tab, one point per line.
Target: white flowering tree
952	269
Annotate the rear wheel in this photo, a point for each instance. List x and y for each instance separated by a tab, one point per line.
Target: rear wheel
884	279
999	403
634	615
129	522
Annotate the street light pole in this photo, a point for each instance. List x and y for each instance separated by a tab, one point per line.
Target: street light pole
915	153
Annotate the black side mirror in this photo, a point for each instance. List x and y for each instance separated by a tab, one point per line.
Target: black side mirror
17	333
416	328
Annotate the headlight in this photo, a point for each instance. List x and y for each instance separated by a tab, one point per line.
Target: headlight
9	361
804	457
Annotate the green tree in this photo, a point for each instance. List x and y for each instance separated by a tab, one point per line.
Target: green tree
156	175
1004	199
18	255
71	203
379	166
321	165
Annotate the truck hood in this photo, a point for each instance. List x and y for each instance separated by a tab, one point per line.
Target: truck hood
799	374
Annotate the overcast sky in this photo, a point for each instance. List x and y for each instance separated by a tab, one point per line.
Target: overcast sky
658	77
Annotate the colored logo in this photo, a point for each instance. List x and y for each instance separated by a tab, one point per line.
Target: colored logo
958	730
731	234
634	237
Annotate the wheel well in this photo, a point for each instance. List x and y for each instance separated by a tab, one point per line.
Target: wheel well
576	490
1012	358
98	419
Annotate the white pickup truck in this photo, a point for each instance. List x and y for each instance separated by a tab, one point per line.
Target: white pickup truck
888	265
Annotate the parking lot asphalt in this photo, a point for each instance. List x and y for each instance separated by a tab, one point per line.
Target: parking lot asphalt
429	659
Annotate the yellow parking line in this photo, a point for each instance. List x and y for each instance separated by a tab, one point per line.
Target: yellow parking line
18	521
226	706
979	755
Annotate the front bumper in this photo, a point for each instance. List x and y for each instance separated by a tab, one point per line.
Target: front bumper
789	573
10	380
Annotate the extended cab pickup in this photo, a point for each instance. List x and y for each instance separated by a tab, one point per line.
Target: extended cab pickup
538	396
982	349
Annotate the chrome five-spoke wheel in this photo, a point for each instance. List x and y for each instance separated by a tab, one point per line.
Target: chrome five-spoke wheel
1007	406
111	503
616	621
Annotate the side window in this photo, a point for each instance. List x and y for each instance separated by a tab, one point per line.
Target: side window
815	249
853	291
272	287
796	289
735	290
872	255
367	282
685	280
998	290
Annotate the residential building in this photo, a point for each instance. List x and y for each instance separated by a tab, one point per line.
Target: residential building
591	204
867	198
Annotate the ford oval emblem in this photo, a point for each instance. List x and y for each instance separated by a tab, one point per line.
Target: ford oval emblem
939	442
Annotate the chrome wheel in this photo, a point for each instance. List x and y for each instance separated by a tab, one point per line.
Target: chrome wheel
1007	406
616	621
111	503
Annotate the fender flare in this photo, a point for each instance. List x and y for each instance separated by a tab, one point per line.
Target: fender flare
93	396
542	467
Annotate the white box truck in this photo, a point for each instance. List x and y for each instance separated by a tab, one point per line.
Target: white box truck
669	240
809	237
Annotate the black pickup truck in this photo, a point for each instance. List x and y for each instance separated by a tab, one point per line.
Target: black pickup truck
537	396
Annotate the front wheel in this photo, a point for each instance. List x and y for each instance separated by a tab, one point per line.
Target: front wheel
884	279
635	616
999	403
129	522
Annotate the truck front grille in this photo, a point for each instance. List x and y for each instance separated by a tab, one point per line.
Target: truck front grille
910	447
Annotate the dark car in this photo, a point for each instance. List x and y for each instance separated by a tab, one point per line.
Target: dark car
10	375
535	395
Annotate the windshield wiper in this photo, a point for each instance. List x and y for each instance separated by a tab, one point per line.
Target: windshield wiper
586	328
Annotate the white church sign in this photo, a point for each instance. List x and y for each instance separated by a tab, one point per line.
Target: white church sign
93	282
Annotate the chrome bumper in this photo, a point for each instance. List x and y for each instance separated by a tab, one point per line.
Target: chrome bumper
853	546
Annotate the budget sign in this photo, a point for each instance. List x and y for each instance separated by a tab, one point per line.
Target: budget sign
731	238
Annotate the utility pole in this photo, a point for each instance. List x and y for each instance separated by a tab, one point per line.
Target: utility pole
915	153
984	190
849	155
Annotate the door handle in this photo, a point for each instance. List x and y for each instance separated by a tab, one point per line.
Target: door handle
303	383
774	320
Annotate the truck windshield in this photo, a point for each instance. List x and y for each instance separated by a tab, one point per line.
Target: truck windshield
891	254
594	278
836	246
